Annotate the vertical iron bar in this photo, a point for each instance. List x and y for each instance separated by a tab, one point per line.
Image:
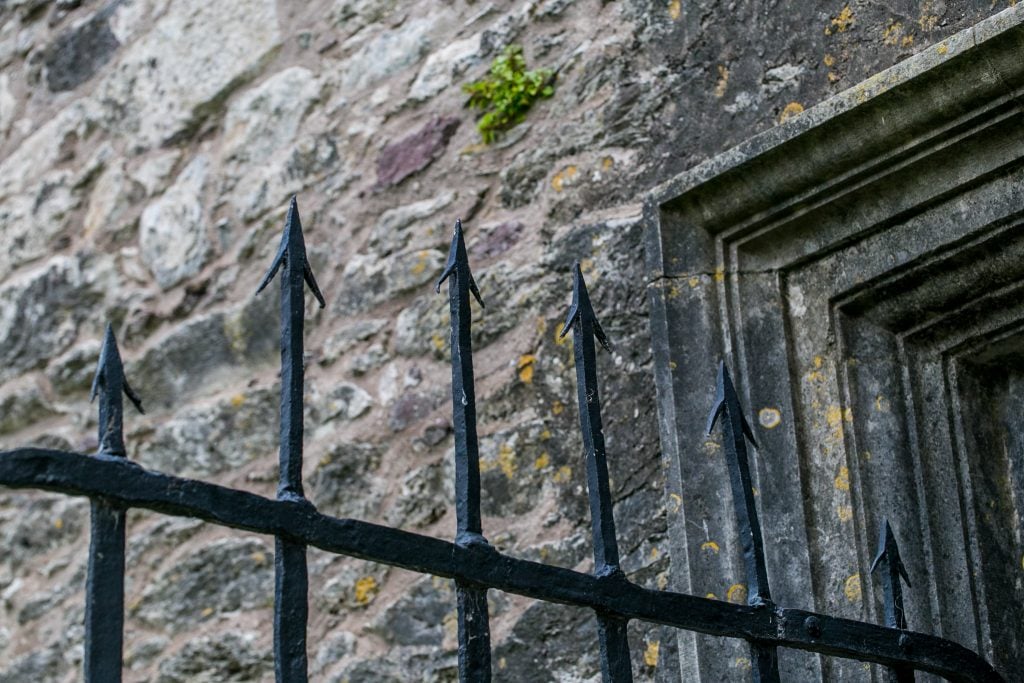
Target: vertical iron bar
291	580
734	429
104	601
888	561
615	663
474	626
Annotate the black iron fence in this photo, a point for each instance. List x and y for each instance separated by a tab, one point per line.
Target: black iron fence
115	484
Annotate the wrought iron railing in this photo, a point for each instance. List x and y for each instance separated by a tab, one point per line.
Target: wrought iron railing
114	484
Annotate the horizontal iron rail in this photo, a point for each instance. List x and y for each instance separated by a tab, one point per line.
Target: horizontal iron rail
124	483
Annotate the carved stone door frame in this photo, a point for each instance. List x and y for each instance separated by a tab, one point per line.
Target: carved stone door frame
861	270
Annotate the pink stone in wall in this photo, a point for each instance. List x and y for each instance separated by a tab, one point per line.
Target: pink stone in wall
414	152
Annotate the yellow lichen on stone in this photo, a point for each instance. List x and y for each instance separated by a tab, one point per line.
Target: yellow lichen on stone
829	61
842	22
675	9
207	611
852	589
942	49
693	281
259	558
557	407
790	110
507	460
564	178
542	461
743	663
710	546
662	580
844	513
737	594
842	480
607	163
563	475
651	653
908	41
545	435
421	263
655	553
525	367
58	524
437	340
237	400
723	81
719	274
881	404
366	589
711	596
928	19
769	418
677	501
892	34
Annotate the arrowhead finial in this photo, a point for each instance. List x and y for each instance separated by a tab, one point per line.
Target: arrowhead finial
581	309
725	391
293	246
110	372
889	551
458	260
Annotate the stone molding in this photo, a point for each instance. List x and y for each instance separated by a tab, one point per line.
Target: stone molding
860	270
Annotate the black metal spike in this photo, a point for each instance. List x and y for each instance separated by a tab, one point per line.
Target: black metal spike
474	622
104	601
615	663
109	384
734	429
291	579
891	565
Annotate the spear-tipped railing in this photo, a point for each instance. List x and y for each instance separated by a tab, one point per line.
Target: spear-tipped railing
291	577
474	623
735	432
614	646
104	588
114	485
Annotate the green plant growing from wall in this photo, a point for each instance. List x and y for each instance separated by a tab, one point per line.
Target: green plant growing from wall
507	92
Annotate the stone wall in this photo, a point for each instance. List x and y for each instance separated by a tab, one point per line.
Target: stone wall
148	153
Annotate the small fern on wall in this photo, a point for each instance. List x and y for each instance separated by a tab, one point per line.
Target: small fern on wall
507	92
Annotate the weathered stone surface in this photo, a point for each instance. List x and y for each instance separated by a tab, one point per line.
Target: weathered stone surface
397	226
211	439
341	342
74	370
33	525
42	665
40	312
353	586
370	280
544	646
114	195
173	231
343	401
444	66
413	153
194	355
23	405
228	657
417	618
343	484
423	498
267	117
332	650
387	52
77	54
224	576
167	83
